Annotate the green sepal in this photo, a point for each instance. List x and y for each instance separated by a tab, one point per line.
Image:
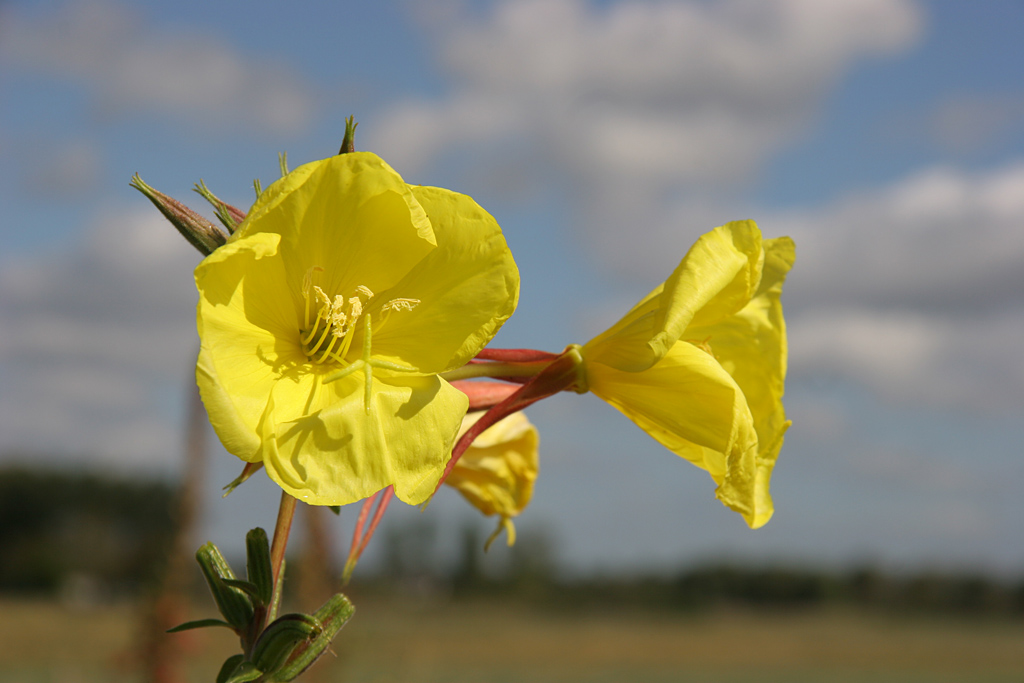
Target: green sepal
230	664
278	640
242	673
258	567
228	215
250	469
199	623
336	509
348	143
334	614
233	603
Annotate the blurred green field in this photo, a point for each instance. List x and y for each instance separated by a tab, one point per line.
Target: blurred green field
435	641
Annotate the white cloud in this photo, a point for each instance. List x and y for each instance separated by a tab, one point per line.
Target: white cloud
97	342
938	360
130	67
660	92
941	239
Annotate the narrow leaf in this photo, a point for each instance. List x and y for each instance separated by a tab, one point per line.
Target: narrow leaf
199	623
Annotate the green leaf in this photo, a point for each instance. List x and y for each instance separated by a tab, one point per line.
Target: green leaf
336	509
258	566
229	666
199	623
244	672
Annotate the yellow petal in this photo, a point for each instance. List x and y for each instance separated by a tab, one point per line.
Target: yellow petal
243	321
691	405
716	278
496	474
339	453
467	287
351	215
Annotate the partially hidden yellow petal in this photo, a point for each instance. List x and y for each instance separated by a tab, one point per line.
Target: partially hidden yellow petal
350	215
497	473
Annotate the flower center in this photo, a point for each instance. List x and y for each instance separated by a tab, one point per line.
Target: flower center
326	337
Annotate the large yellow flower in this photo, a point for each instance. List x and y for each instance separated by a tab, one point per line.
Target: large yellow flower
700	362
326	317
497	472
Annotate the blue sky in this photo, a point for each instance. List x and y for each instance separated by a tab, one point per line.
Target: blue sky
885	136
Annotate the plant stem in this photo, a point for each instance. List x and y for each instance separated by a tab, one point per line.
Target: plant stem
285	514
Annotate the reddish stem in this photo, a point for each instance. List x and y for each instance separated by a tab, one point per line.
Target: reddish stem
515	355
285	514
483	394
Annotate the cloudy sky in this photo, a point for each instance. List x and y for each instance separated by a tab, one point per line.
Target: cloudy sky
885	136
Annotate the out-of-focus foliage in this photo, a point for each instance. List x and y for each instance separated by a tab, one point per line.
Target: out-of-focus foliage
73	531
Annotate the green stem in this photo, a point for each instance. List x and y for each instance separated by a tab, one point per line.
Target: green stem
489	369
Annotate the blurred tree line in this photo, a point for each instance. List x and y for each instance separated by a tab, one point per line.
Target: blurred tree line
59	528
62	529
530	574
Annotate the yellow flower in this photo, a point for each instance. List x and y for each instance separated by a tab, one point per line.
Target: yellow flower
326	317
700	362
496	473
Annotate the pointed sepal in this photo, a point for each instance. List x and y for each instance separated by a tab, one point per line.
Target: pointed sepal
228	215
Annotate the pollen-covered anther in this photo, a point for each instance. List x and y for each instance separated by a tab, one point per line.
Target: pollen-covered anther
400	304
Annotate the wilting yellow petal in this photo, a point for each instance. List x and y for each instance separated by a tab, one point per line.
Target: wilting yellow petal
715	279
496	474
700	362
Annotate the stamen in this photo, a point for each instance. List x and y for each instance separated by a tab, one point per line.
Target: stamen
307	285
365	291
316	325
334	340
320	341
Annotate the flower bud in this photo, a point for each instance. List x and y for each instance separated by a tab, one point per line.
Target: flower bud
201	233
279	640
233	603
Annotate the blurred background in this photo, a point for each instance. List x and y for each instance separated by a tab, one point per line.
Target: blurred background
885	136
